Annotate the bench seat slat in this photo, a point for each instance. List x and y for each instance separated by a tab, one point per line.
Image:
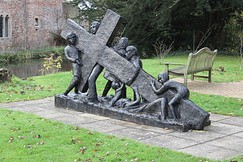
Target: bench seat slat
178	71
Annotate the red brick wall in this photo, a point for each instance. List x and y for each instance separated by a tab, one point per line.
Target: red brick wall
24	34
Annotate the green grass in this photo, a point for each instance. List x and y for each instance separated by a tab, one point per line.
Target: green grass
26	137
218	104
33	88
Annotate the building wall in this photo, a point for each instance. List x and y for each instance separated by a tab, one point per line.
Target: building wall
31	23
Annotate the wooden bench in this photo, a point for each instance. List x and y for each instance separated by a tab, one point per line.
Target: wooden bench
200	61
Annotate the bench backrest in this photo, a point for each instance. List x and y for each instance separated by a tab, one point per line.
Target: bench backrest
202	60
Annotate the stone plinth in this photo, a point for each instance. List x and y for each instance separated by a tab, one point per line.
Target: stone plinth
80	103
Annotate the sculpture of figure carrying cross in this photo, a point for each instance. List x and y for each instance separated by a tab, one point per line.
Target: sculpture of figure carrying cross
95	48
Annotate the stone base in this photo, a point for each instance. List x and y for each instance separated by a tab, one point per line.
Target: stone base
80	103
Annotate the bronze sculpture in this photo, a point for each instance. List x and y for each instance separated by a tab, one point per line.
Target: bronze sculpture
178	113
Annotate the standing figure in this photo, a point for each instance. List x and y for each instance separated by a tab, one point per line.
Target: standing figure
133	57
93	29
91	85
119	48
181	92
73	54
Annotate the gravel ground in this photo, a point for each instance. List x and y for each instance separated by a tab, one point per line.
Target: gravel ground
232	89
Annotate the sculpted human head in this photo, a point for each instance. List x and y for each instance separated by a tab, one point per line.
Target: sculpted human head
131	51
71	38
163	77
94	26
122	43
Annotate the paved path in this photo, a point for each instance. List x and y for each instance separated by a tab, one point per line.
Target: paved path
222	140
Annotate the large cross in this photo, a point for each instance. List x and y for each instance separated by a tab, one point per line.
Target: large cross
95	51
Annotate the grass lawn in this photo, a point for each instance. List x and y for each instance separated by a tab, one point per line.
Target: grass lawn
26	137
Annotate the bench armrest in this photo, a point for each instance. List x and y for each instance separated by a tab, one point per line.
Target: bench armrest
170	63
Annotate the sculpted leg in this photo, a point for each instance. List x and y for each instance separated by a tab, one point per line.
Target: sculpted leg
73	84
107	88
92	94
164	112
175	100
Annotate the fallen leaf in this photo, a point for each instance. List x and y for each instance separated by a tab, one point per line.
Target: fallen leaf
82	149
97	144
135	160
40	143
38	136
28	146
21	137
10	139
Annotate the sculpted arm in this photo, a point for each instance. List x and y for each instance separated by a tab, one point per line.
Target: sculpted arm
67	54
161	90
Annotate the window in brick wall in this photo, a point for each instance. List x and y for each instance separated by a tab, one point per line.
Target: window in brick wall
37	23
1	26
6	33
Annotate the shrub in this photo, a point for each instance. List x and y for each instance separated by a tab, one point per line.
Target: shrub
30	54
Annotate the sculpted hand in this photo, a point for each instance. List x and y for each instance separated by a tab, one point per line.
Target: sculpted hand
78	62
153	84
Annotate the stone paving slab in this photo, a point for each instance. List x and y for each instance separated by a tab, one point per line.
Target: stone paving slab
224	128
236	121
198	136
211	152
171	142
217	117
134	133
223	139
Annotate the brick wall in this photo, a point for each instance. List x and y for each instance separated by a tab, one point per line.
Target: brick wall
31	23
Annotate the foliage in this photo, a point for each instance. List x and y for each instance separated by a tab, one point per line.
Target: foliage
188	23
51	64
29	54
26	137
162	49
